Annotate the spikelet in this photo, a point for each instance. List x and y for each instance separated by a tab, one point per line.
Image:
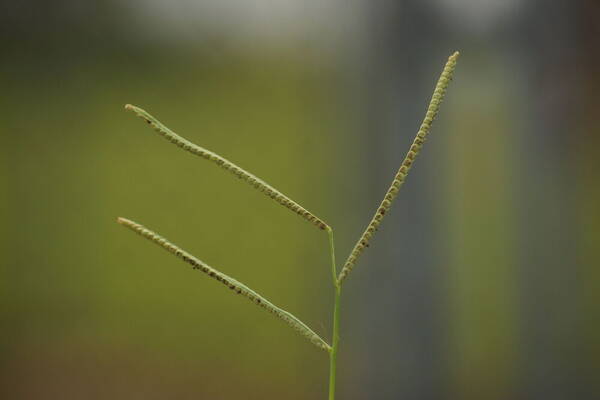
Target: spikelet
432	110
231	283
259	184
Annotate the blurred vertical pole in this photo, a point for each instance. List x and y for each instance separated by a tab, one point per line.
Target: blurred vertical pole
396	316
553	351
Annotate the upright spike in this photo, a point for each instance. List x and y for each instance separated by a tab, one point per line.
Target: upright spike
415	148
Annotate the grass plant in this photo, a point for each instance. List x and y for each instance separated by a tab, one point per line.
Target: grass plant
351	261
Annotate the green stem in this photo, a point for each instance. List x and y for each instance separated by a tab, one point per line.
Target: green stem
332	253
336	322
335	345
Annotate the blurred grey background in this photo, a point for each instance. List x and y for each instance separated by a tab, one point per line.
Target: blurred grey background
482	283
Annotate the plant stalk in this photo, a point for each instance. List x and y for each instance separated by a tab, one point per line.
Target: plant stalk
336	321
335	344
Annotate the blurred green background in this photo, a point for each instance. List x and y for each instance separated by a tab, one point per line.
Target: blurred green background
482	283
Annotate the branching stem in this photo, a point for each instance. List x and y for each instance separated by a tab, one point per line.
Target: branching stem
361	244
336	320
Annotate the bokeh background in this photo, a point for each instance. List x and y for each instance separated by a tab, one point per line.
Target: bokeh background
482	283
